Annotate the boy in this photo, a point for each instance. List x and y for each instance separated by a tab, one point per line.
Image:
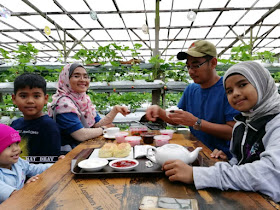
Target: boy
13	169
40	136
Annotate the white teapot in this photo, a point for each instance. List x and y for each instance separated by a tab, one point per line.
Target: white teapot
172	152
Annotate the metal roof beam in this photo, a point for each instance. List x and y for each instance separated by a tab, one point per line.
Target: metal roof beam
190	27
144	11
265	35
135	40
217	18
49	19
117	8
140	28
277	6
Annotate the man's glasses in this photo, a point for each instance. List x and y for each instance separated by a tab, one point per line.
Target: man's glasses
196	66
79	76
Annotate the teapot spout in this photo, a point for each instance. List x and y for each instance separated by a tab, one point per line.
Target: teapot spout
193	155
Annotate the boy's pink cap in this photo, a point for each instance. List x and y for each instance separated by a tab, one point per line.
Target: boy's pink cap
8	136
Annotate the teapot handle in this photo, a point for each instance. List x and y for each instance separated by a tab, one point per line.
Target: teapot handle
151	155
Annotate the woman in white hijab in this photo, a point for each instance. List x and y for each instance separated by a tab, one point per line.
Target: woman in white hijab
255	143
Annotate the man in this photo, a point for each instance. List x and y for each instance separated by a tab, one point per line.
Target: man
204	105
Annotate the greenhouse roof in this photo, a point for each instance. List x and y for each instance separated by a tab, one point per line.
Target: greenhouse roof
72	24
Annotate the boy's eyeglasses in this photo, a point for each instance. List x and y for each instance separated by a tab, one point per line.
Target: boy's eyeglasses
196	66
79	76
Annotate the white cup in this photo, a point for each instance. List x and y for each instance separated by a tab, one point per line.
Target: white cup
111	131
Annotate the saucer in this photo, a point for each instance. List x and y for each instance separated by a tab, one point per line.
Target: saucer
94	164
106	136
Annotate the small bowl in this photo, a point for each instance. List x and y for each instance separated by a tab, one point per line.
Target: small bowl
133	140
123	164
93	164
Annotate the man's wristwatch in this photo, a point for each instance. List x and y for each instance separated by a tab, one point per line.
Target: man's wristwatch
197	125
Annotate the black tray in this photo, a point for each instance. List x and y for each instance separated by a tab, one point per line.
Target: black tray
141	169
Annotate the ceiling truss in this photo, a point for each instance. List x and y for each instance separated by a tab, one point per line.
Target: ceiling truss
67	44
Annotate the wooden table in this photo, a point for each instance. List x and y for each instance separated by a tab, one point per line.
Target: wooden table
58	188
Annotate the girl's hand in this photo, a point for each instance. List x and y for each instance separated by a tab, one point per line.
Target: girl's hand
61	157
177	170
122	109
219	154
13	192
33	179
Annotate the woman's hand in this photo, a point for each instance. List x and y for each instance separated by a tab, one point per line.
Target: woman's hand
177	170
122	109
33	179
109	126
219	154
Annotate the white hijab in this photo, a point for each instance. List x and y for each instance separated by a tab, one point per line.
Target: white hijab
268	98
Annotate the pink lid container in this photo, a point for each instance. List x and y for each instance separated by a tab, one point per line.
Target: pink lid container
161	140
133	140
136	130
120	136
167	132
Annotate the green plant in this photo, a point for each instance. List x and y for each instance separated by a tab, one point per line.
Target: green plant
7	108
133	100
86	56
134	52
241	53
26	53
177	72
276	76
172	99
4	53
244	53
156	61
102	54
266	56
23	55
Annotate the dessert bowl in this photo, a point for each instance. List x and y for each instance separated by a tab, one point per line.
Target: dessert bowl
123	164
93	164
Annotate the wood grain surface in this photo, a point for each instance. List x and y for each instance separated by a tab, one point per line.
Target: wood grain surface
58	188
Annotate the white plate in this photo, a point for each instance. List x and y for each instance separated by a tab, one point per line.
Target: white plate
106	136
93	164
124	161
95	152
